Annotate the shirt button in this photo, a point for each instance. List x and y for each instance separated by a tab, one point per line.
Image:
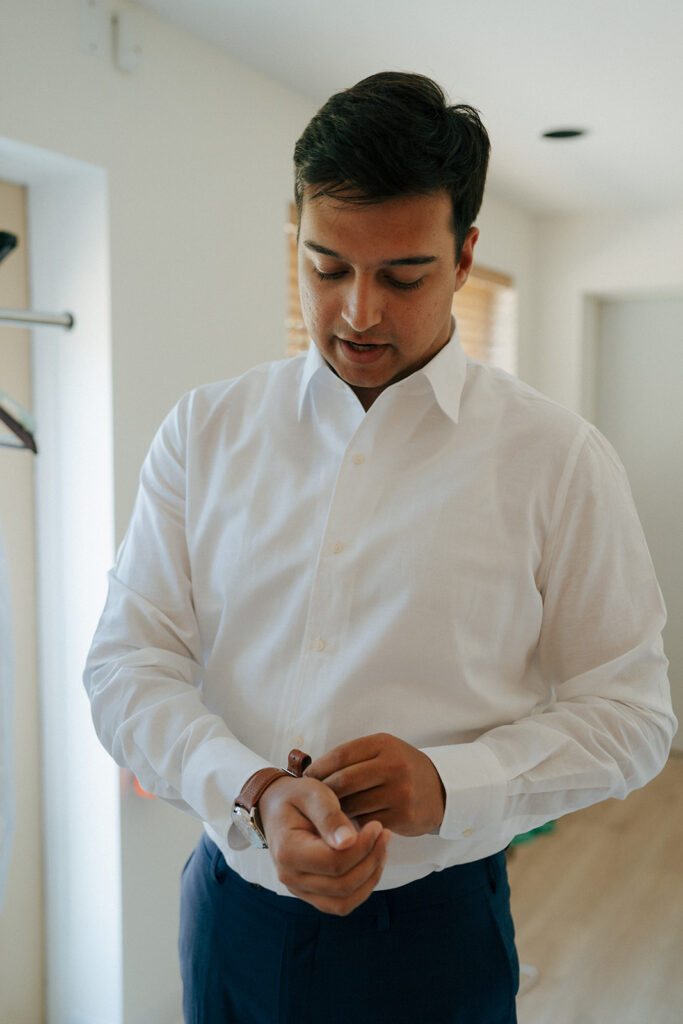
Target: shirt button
359	459
467	833
319	644
298	742
337	547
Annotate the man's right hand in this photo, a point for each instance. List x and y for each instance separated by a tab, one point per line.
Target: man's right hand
318	854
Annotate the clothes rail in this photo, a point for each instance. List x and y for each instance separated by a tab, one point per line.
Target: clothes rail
22	317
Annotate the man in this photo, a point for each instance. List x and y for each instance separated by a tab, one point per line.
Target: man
414	568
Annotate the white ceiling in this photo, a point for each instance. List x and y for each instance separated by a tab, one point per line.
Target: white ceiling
614	67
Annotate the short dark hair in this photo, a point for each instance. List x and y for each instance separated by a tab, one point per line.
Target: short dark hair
394	134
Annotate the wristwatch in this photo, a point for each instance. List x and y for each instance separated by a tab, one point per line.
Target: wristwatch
245	814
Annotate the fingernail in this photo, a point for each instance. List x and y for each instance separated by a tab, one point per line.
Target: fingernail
343	834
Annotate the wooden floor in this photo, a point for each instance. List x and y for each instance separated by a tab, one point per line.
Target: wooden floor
598	909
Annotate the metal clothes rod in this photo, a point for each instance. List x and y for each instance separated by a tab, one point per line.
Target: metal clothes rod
21	317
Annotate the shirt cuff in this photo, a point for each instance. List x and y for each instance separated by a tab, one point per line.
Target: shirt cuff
475	785
214	776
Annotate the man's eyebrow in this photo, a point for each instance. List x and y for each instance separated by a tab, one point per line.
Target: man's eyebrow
404	261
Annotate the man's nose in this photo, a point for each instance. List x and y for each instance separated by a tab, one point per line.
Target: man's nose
362	308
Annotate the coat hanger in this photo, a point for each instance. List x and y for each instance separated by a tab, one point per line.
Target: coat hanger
19	421
8	242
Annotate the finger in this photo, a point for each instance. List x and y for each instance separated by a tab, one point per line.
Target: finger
340	905
387	818
346	897
307	853
350	881
308	805
371	802
356	778
352	752
322	809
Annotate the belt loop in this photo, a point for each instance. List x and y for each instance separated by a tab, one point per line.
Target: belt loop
492	873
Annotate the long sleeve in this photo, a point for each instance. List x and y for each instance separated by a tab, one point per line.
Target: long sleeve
144	671
608	728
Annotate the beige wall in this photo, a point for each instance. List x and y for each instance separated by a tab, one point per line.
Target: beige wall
21	920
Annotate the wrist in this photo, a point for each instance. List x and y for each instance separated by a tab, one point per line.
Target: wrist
245	813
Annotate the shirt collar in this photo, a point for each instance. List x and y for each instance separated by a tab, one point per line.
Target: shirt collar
445	373
314	365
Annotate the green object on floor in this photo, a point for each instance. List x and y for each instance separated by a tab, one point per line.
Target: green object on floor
526	837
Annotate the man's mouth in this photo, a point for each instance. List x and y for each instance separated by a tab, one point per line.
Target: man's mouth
361	352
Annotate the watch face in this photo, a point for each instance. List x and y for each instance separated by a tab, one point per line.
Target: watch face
248	827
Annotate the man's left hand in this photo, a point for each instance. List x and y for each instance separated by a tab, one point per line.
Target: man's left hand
382	778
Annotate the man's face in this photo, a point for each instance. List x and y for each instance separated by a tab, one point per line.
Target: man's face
377	284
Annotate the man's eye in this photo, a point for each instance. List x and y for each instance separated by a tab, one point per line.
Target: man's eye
405	286
329	277
401	286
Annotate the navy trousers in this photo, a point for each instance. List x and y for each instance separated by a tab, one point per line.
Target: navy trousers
438	951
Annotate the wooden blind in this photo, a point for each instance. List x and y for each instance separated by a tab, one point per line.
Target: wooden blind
485	309
486	313
297	339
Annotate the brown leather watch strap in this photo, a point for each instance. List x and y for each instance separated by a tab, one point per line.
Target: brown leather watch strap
258	783
297	762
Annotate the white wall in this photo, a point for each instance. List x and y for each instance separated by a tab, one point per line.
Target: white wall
584	257
198	153
74	528
193	156
640	371
582	260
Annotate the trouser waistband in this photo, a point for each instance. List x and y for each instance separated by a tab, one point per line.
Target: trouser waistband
450	883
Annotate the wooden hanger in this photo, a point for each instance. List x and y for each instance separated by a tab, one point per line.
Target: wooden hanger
19	422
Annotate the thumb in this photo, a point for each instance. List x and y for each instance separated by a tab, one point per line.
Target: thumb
322	808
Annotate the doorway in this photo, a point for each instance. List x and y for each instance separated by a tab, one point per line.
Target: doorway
639	372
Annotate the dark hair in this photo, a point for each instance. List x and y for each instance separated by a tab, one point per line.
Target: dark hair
393	134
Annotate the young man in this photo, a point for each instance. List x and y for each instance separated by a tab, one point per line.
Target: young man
411	566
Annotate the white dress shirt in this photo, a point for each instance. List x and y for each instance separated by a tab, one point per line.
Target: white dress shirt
461	566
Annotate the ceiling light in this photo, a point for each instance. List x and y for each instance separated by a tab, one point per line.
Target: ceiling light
564	133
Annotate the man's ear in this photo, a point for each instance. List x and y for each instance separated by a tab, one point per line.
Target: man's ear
466	258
